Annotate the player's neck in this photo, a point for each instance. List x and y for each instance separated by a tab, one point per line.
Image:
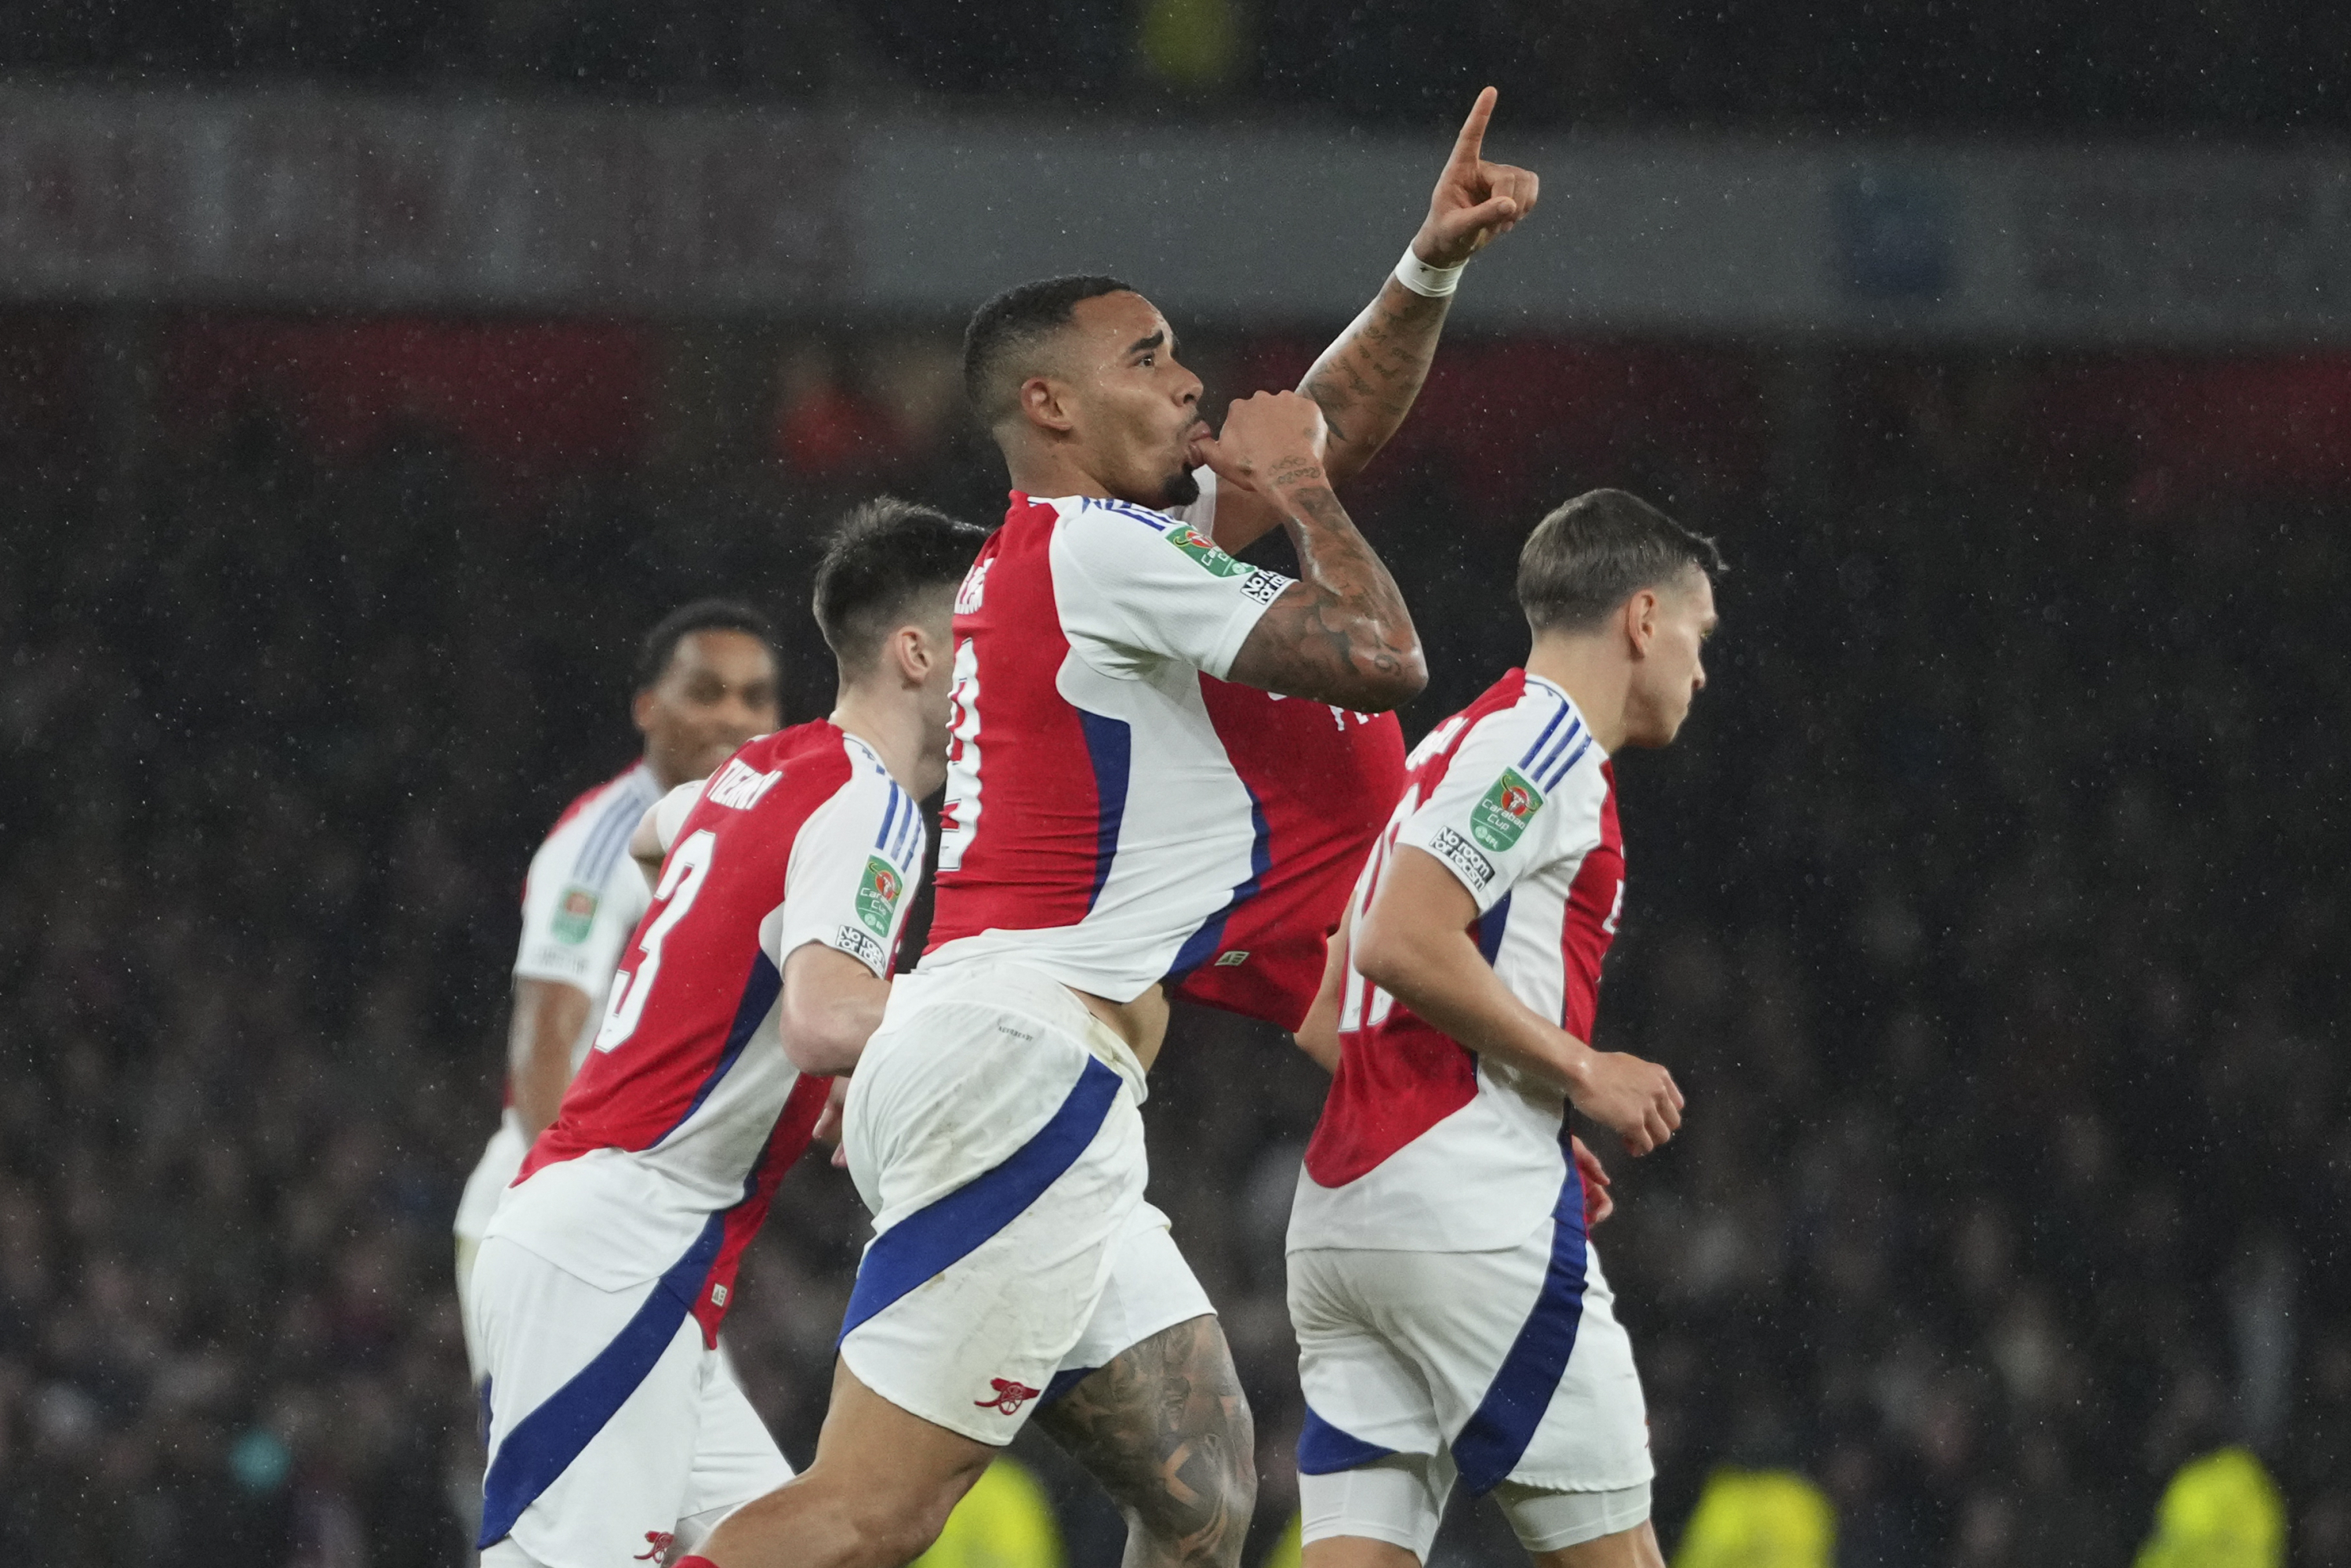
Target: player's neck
1051	471
1593	672
893	725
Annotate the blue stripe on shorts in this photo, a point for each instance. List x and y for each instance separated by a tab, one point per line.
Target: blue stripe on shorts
1494	1438
1324	1450
931	1240
544	1443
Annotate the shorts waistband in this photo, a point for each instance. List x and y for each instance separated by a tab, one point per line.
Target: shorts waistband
1019	989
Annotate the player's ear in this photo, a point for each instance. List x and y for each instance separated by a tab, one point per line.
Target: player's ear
1640	622
1044	403
640	711
910	653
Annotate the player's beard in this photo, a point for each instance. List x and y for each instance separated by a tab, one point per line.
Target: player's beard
1181	490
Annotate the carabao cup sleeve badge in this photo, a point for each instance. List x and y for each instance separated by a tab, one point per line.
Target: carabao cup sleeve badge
877	895
577	915
1505	810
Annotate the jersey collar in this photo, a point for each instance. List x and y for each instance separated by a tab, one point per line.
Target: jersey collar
1561	692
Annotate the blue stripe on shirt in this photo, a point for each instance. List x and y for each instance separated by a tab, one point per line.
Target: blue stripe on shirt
1558	748
1528	762
1558	775
607	839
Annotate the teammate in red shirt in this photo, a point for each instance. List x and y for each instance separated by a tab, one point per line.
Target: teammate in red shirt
1146	731
762	964
705	684
1452	1317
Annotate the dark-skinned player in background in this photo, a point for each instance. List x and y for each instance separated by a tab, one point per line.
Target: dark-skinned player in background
616	1429
705	684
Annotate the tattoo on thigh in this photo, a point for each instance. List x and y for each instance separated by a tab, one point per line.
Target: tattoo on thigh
1165	1428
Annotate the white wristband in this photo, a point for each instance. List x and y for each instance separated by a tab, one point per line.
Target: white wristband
1435	282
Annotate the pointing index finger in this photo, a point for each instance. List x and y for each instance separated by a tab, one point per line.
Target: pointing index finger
1467	145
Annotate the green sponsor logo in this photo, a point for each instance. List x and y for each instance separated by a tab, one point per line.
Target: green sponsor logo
576	916
1203	550
1505	812
877	895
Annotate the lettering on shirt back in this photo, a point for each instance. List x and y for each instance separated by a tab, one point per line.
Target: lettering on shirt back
740	785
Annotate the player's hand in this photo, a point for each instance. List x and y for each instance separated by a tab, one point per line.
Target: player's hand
1475	202
1271	439
1597	1204
1634	1098
828	1122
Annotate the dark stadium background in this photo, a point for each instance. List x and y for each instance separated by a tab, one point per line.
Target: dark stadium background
1991	910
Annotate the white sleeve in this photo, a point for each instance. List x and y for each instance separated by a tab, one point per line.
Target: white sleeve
1489	821
852	872
1136	588
669	811
579	905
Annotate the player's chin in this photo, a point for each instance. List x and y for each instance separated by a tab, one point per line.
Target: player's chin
1181	489
1658	735
713	756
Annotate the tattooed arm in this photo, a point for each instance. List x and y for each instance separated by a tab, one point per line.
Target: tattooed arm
1367	378
1341	634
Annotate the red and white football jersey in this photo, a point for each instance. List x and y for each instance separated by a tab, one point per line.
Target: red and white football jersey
1422	1145
583	894
1117	812
688	1111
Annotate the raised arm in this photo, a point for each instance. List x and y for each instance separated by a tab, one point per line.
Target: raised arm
1367	378
1342	634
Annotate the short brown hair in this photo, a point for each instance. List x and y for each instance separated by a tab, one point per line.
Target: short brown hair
883	555
1598	550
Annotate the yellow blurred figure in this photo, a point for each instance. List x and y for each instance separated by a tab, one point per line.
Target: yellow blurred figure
1759	1519
1004	1521
2219	1511
1290	1551
1190	43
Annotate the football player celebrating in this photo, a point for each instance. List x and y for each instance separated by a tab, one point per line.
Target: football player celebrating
1115	828
705	684
616	1430
1452	1318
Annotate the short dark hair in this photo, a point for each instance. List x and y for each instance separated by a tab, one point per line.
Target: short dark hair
659	645
1000	346
884	554
1596	551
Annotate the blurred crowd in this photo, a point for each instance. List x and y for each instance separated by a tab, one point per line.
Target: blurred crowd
1990	913
2015	66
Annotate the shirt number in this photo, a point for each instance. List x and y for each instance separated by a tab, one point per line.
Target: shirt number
682	878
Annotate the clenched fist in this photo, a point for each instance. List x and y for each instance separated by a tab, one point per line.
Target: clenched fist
1634	1098
1271	439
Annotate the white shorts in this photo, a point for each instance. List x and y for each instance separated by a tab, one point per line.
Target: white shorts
1508	1368
614	1428
500	1162
992	1128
